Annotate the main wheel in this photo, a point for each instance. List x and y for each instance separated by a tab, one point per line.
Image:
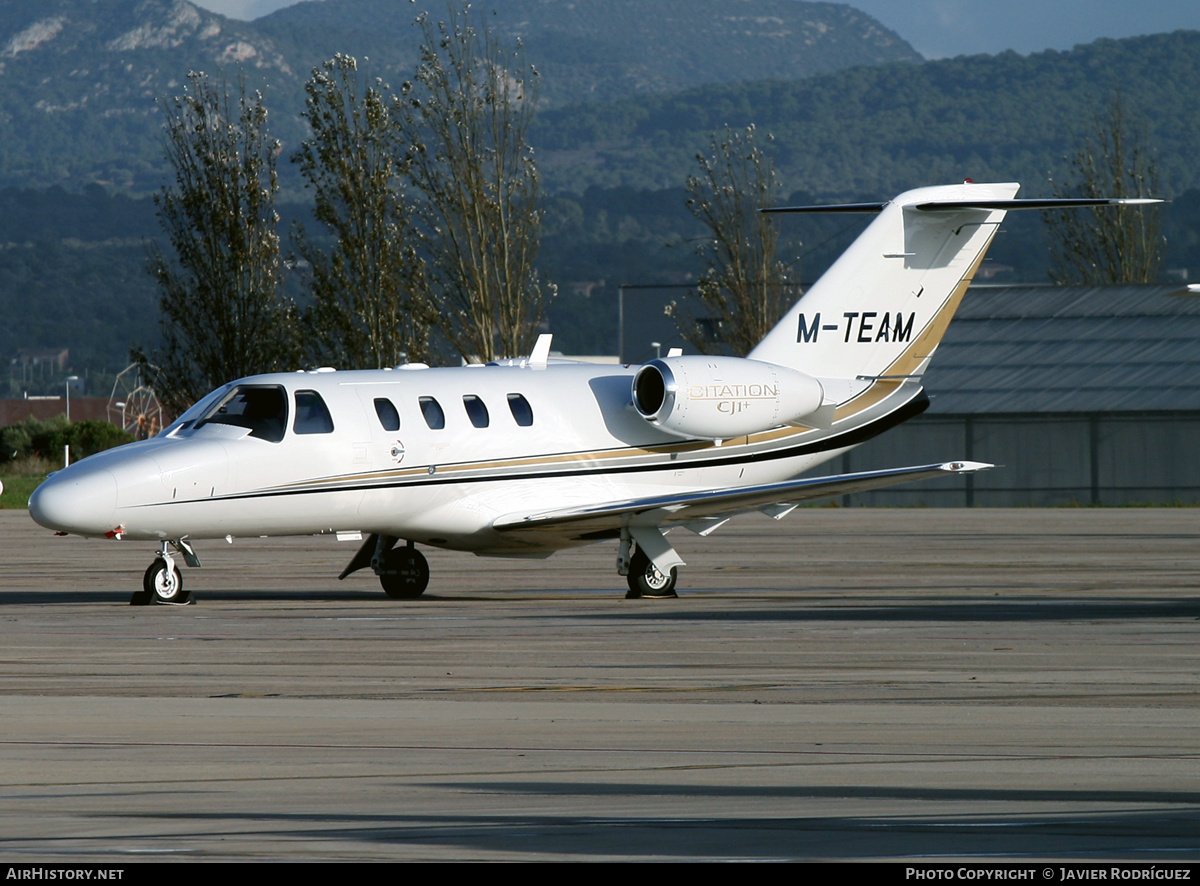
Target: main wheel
405	573
646	580
163	585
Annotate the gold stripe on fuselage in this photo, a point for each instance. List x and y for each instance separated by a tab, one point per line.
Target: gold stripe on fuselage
876	393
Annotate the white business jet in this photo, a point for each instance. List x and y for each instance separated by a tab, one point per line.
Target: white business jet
522	458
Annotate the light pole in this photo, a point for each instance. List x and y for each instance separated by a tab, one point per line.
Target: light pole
67	383
67	446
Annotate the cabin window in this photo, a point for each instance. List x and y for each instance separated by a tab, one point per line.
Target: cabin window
261	408
312	416
522	412
388	416
476	410
432	410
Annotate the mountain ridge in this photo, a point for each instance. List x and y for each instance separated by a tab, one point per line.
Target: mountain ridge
79	78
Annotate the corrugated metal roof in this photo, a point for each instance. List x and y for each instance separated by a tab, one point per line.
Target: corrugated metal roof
1069	349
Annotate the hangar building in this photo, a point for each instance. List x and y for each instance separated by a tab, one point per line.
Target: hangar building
1081	395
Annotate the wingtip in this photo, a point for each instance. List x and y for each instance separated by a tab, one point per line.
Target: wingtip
965	467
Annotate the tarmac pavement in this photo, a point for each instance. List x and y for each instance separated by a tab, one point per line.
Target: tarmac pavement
924	685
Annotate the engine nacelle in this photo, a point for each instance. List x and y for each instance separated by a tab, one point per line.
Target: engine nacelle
716	398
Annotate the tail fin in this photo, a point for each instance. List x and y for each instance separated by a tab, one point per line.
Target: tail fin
880	311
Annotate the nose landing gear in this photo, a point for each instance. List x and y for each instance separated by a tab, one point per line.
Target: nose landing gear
163	583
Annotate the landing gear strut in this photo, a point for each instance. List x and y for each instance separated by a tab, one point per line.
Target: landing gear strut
163	582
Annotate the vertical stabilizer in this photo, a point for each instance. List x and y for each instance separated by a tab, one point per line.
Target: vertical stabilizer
882	308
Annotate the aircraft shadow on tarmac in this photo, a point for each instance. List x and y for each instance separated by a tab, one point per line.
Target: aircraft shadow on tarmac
1028	609
1165	835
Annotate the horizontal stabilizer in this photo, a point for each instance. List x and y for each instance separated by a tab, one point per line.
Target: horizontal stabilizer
582	522
948	205
1033	203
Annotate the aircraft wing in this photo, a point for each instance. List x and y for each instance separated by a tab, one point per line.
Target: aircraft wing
704	511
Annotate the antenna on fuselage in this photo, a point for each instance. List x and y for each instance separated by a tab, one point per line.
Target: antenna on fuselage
541	351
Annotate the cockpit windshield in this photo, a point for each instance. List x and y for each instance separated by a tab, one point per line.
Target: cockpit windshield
197	409
261	408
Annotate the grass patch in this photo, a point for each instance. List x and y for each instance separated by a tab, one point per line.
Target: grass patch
20	477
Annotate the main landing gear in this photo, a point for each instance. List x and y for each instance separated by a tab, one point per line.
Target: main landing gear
403	572
646	580
163	583
648	562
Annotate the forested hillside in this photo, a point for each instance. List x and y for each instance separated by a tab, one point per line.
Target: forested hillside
91	292
875	130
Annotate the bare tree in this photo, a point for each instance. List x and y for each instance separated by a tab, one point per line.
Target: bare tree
468	115
367	308
1105	245
745	289
223	314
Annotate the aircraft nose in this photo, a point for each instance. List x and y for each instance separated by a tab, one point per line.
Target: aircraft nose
78	501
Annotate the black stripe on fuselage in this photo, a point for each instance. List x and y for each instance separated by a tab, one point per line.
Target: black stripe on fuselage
918	404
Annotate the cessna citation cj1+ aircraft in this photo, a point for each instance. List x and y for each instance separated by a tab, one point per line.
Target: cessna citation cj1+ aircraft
525	457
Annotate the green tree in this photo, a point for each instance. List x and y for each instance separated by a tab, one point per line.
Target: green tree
223	313
467	117
1108	244
367	306
745	288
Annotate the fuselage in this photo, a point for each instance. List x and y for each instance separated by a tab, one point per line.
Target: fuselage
431	455
442	456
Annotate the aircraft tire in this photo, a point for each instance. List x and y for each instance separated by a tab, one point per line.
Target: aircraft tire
405	573
645	580
164	590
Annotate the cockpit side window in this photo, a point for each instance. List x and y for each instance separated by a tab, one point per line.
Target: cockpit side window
476	410
432	410
312	415
388	416
261	408
522	412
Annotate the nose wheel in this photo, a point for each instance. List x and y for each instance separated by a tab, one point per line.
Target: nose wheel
162	583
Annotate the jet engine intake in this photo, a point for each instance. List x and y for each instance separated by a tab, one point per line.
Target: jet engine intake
716	398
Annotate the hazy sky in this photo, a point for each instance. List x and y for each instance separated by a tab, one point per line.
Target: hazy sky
940	28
